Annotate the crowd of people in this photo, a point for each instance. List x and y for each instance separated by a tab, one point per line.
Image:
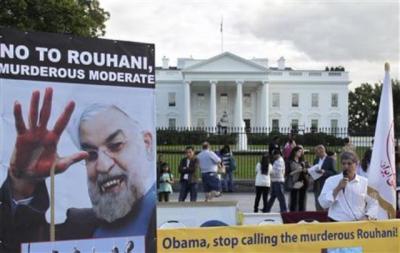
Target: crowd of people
280	170
216	169
343	195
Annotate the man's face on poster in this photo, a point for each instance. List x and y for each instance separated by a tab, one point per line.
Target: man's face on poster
116	165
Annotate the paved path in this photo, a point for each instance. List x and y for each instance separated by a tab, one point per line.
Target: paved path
246	200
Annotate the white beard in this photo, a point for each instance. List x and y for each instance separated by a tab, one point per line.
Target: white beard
112	206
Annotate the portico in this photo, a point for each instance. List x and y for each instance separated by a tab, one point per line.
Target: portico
206	103
238	95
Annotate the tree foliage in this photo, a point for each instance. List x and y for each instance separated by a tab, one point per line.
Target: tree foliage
364	106
77	17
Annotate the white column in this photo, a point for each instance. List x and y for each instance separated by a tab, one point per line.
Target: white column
267	104
239	104
213	104
187	108
264	104
258	107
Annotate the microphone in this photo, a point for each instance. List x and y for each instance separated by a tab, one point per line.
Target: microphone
345	175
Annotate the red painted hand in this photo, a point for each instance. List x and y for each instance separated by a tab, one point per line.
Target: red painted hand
35	150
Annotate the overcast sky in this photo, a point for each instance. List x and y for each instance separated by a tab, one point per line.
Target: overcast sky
311	34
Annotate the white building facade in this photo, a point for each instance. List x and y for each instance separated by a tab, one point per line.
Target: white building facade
227	90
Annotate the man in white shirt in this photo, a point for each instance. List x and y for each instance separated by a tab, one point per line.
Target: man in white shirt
345	195
327	167
208	163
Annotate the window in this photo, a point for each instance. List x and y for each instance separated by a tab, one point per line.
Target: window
247	100
314	100
334	100
275	125
200	100
295	99
314	125
247	125
295	124
334	126
334	123
171	99
275	100
224	101
171	122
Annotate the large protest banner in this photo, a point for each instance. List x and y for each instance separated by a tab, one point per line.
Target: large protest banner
85	109
355	237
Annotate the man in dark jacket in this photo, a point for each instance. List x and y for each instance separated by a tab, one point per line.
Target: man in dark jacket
188	168
327	167
274	145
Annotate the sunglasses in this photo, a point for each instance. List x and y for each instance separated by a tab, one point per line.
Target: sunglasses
347	163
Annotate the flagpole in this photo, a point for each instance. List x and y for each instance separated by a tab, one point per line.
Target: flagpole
222	34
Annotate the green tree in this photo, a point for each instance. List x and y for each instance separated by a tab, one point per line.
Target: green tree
78	17
364	106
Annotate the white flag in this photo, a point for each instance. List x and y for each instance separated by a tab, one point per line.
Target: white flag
382	172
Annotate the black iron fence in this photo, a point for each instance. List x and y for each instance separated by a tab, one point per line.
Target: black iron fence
248	144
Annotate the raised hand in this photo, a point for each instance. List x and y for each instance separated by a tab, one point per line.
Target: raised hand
35	150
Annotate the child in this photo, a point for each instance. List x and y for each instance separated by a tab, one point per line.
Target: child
166	180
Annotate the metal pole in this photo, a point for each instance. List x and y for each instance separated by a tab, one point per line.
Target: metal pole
52	204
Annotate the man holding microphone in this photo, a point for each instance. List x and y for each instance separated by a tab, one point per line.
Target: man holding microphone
345	195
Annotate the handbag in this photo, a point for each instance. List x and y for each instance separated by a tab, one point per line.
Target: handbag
298	185
221	169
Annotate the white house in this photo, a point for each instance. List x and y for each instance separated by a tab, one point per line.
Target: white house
229	90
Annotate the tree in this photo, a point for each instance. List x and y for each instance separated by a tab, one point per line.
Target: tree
364	106
77	17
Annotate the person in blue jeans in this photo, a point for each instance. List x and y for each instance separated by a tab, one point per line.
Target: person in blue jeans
188	168
277	182
230	166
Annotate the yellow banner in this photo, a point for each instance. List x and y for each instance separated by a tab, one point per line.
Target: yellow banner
366	236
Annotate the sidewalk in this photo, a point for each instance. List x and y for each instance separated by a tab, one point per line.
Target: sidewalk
246	200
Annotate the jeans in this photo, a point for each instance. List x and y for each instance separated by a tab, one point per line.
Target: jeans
227	181
261	190
298	200
186	188
318	184
277	191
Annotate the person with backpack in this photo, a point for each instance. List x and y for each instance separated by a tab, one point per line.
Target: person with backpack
230	166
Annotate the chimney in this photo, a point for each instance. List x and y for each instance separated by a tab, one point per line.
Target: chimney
165	63
281	63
